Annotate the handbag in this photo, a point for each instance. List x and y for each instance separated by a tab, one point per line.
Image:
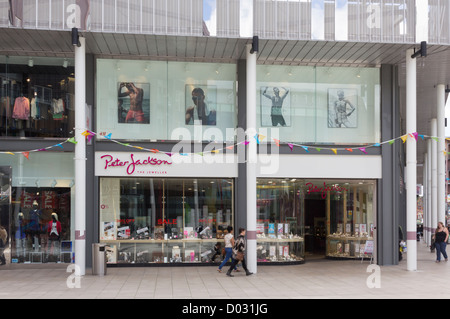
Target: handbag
240	256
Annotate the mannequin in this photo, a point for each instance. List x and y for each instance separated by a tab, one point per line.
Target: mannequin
34	225
54	234
20	236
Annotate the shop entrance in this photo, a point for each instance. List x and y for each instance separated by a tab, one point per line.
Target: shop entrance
315	228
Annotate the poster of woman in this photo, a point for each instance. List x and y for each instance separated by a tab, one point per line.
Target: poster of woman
275	106
342	108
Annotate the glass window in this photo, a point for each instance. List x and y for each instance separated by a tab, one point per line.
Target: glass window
280	221
156	100
36	207
164	220
320	105
36	96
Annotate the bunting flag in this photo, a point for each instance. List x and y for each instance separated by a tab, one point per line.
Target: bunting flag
277	142
404	137
258	137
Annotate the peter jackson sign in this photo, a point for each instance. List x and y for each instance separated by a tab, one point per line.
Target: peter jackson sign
157	165
134	163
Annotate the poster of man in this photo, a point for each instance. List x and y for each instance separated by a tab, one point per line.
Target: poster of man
200	105
275	106
133	104
342	108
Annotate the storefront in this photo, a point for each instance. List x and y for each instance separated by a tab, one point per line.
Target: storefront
159	209
37	198
304	219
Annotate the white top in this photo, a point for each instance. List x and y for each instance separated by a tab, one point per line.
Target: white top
228	238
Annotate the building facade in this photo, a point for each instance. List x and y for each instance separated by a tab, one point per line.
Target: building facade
166	87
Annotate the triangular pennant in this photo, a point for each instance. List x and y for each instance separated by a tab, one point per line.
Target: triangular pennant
256	138
59	145
318	149
10	153
290	146
334	150
169	154
154	150
305	148
138	147
376	144
363	149
422	136
391	142
26	154
72	140
230	147
261	137
349	149
108	136
435	138
415	135
246	142
215	151
277	142
404	137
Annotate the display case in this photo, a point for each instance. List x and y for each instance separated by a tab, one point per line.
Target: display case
154	251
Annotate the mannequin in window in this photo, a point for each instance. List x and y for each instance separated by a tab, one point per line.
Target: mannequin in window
34	225
54	234
20	236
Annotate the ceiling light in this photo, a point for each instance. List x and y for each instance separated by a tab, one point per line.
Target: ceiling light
30	63
65	63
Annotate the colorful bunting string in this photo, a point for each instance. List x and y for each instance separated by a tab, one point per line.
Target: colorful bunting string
258	138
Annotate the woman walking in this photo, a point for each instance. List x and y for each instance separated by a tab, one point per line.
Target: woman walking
440	240
229	244
238	253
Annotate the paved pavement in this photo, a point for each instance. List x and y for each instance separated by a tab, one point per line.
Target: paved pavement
328	279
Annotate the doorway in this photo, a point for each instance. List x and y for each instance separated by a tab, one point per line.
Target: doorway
315	229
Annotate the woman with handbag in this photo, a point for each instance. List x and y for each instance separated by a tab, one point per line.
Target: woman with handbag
440	237
238	253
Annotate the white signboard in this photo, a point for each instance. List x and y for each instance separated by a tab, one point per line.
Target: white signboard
162	165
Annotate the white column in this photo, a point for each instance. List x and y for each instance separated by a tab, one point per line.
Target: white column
430	198
440	115
80	159
411	162
251	160
434	214
425	198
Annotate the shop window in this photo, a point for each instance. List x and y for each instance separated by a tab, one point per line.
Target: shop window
280	221
317	105
158	100
36	207
36	97
40	225
165	220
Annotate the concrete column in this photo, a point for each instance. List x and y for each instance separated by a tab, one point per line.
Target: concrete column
441	153
434	161
251	160
429	196
80	159
425	198
411	161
